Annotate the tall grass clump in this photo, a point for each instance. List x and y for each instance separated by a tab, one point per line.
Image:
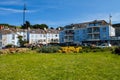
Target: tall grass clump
88	49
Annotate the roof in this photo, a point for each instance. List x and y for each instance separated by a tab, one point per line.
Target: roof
82	25
6	31
40	31
37	31
116	25
53	31
32	31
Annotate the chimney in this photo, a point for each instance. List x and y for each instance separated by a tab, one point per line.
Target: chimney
110	21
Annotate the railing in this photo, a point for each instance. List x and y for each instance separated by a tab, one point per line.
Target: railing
93	39
115	38
68	40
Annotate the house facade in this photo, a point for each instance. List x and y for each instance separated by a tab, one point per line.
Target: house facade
43	36
33	36
94	32
8	36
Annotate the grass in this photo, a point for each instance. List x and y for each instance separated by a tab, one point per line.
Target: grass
87	66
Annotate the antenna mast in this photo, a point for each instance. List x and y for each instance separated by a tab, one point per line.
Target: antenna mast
24	10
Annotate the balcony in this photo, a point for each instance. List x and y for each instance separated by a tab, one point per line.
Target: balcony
93	30
93	37
69	33
96	30
89	30
68	40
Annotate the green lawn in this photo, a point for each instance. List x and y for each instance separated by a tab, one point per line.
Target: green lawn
87	66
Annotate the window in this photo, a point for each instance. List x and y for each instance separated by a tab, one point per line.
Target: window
0	43
0	36
83	31
31	35
40	35
48	35
44	40
104	36
24	36
44	35
89	30
13	36
13	42
56	35
36	36
104	29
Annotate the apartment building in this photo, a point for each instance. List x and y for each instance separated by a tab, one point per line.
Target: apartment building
94	32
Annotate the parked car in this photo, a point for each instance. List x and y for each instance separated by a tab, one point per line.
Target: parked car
104	45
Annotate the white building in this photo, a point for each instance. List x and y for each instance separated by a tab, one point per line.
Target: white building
43	36
8	36
33	36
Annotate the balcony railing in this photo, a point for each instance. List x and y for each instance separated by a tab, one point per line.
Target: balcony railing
93	39
93	30
68	40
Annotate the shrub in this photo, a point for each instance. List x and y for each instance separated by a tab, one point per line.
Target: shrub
116	50
94	49
5	51
10	46
49	49
70	49
14	50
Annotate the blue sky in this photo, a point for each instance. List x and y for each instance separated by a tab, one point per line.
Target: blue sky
56	13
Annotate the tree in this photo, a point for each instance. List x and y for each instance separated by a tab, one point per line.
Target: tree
36	26
21	42
4	24
26	25
40	26
51	28
60	28
44	26
8	25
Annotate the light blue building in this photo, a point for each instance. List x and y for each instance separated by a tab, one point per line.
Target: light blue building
94	32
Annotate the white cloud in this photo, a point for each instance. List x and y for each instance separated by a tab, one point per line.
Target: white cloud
10	10
11	2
